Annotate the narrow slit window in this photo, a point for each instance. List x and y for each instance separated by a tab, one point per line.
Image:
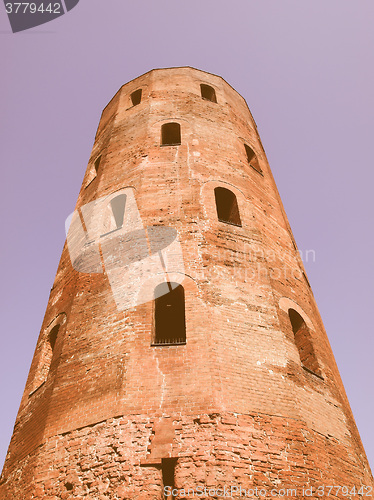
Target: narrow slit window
118	205
97	163
303	342
252	158
208	92
45	360
136	97
170	321
227	206
48	350
53	337
171	134
168	476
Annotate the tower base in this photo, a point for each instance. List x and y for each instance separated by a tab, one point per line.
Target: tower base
204	456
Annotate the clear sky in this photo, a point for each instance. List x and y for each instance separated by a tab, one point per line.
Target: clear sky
306	71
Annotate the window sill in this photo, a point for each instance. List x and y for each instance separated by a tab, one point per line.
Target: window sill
35	390
110	232
209	100
167	344
89	243
230	223
90	182
257	170
312	372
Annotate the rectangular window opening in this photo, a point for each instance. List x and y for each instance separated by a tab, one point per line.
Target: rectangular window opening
171	134
169	315
227	206
168	476
136	97
208	93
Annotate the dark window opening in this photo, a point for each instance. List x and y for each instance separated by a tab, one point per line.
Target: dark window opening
53	336
48	351
250	153
303	342
252	158
118	205
227	206
97	163
45	360
168	476
170	321
171	134
69	486
208	93
136	97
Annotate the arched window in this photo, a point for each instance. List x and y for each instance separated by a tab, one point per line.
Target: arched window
170	321
118	205
303	342
171	134
136	97
227	206
252	158
208	92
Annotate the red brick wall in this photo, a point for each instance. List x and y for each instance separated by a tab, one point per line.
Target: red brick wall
108	460
244	409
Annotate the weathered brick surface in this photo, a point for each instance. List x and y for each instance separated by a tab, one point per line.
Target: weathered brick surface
234	405
108	460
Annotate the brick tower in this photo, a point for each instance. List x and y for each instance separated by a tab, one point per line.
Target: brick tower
182	347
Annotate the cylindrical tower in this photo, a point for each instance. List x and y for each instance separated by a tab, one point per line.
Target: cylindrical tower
182	347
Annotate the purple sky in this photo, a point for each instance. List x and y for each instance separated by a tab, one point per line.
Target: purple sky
306	71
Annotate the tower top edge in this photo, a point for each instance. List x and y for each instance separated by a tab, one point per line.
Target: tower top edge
172	68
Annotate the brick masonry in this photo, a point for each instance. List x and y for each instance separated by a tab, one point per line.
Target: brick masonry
234	406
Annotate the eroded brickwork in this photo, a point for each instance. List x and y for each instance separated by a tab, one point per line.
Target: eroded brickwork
110	460
243	402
